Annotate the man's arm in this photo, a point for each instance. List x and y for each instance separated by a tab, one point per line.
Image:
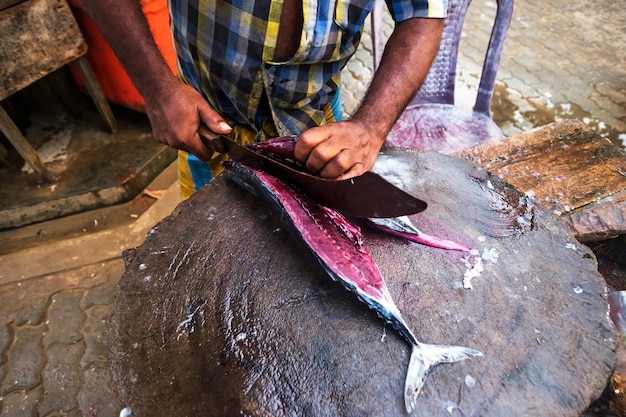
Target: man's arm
347	149
175	109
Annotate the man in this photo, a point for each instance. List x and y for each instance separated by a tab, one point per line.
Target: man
264	68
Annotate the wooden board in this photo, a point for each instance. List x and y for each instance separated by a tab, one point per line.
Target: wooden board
567	168
5	4
220	313
38	37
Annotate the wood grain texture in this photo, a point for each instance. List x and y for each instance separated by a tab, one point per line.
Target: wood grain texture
220	314
566	168
38	37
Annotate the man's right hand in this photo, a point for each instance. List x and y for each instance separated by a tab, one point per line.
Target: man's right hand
174	108
176	111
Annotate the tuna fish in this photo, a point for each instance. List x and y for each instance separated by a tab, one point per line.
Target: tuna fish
337	246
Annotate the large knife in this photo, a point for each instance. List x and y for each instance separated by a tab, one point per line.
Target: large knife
368	195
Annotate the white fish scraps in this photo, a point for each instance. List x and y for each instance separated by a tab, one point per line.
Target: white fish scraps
473	270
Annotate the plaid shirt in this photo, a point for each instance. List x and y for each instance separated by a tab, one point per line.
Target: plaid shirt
226	50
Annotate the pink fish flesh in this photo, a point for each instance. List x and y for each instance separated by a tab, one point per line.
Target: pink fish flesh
280	149
402	227
337	246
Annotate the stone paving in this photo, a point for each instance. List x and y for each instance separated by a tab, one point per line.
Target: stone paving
53	347
561	59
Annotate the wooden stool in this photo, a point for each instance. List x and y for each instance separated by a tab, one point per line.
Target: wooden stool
39	37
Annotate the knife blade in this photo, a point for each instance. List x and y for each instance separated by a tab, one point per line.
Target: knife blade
368	195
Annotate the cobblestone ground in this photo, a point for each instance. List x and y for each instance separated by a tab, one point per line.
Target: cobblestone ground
53	346
560	60
573	67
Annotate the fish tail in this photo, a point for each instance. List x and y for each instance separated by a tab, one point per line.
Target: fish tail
423	358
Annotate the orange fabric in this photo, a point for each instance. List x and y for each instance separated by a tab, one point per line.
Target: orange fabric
114	82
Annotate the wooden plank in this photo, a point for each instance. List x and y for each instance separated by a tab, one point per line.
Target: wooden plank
91	83
221	306
567	168
38	37
4	154
602	220
5	4
21	144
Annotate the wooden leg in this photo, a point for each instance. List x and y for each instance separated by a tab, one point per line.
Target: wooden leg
21	144
83	67
3	155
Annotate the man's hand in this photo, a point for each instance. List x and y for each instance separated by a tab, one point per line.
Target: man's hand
176	112
175	109
339	150
348	149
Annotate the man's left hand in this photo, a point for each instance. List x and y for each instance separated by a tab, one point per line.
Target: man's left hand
338	150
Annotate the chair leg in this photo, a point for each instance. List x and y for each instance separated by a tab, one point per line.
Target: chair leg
378	39
25	149
84	69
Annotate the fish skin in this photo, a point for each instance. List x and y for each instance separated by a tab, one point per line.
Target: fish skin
337	246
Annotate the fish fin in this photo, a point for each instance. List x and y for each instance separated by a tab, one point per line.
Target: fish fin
423	358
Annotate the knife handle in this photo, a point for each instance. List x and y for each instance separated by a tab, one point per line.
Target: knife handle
212	140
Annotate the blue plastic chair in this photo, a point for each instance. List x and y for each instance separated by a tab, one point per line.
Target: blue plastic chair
431	121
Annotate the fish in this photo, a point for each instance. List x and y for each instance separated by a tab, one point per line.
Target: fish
282	149
338	247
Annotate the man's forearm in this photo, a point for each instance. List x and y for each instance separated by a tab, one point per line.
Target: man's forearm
346	149
407	58
124	26
175	109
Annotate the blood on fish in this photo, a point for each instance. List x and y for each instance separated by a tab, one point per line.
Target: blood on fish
280	149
